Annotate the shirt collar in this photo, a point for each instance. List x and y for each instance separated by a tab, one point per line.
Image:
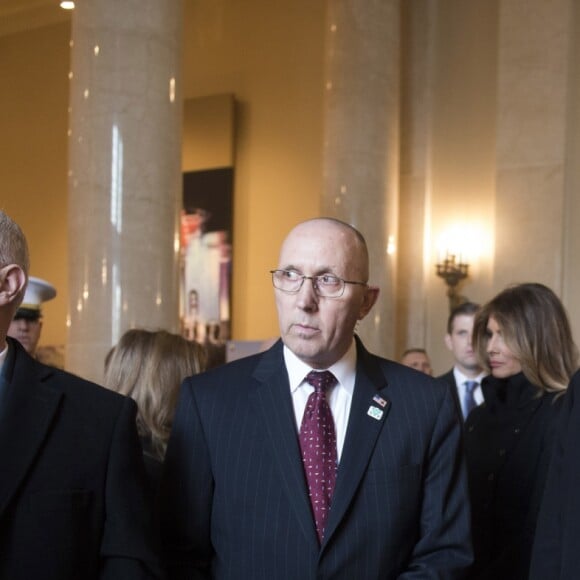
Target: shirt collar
3	355
460	378
344	369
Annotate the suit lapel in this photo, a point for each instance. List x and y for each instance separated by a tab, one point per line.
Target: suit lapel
273	403
369	410
28	409
450	379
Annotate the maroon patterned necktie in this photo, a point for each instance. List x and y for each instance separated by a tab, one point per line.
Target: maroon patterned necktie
318	445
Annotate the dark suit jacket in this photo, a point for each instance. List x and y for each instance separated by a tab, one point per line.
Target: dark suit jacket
153	465
234	498
449	379
73	501
556	552
508	443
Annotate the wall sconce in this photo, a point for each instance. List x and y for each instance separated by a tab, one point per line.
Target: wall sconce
452	269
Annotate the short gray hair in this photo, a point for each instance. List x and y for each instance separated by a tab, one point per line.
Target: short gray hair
13	245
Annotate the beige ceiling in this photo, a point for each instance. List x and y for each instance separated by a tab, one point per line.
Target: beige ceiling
19	15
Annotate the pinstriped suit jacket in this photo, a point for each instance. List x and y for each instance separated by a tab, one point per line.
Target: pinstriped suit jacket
234	501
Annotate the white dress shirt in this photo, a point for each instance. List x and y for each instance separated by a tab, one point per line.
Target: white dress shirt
460	379
339	398
3	354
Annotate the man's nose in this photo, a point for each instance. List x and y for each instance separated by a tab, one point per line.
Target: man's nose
307	296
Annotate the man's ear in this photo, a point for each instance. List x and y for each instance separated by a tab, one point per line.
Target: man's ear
448	342
371	296
12	283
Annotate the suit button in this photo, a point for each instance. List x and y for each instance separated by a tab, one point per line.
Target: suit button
516	430
501	452
491	477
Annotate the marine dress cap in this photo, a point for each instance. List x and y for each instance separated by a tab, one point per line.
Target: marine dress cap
37	292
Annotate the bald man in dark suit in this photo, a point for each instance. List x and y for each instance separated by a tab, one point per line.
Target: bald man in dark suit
387	499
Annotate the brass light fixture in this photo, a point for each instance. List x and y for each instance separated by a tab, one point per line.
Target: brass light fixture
453	270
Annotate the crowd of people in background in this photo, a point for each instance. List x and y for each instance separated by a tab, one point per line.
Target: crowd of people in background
314	458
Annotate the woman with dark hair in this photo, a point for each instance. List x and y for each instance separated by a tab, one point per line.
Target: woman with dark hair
523	338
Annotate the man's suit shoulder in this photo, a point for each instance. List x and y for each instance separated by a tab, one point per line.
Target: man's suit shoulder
227	381
573	391
76	390
234	374
76	386
397	372
448	377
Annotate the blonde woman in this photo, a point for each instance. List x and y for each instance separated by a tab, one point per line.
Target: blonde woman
523	339
149	366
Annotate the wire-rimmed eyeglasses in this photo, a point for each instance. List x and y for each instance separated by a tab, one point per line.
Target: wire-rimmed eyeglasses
326	285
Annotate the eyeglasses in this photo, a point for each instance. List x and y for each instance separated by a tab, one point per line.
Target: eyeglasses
325	285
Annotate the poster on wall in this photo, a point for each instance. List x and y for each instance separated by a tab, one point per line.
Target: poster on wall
206	256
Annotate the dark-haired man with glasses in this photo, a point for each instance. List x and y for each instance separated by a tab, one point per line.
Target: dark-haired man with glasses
316	459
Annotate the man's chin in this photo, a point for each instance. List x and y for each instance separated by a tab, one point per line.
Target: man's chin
306	350
473	367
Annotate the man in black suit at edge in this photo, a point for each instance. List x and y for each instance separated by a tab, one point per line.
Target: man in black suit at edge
240	499
466	375
73	498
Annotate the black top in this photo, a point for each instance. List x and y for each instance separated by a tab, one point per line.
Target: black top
508	442
153	465
556	553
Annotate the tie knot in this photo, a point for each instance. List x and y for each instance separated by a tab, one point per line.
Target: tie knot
470	386
321	380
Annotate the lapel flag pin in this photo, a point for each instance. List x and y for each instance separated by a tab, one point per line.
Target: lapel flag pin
378	399
375	413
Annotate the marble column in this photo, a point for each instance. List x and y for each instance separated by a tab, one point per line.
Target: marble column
361	142
571	235
533	120
124	174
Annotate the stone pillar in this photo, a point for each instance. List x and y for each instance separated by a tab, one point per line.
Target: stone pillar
413	272
361	142
571	233
534	105
124	174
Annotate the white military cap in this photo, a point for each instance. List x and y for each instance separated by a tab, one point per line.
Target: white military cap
37	292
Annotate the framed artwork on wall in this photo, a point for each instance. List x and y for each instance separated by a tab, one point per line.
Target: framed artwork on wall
206	256
206	222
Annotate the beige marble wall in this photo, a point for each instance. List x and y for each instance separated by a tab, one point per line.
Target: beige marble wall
449	170
571	231
411	304
269	55
125	174
33	159
361	142
534	45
